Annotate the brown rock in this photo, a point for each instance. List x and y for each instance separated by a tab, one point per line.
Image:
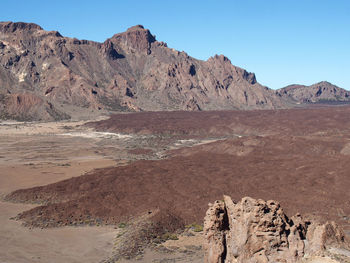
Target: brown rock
321	236
137	38
133	72
216	227
319	92
21	106
258	231
10	27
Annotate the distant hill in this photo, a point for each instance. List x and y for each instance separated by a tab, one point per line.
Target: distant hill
45	76
319	92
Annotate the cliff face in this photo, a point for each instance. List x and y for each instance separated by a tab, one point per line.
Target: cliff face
322	91
130	71
255	231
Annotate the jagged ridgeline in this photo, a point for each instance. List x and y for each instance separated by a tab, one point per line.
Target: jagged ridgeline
45	76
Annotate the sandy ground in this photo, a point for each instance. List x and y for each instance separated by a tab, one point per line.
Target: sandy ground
36	128
68	244
321	260
33	154
18	176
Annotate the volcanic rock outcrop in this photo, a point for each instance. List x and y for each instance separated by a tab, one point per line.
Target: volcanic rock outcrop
255	231
319	92
130	71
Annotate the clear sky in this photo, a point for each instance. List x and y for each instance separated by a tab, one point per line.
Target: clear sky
281	41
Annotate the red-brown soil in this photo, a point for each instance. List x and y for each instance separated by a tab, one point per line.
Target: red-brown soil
298	157
140	151
216	123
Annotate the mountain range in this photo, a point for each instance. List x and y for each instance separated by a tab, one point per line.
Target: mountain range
46	76
319	92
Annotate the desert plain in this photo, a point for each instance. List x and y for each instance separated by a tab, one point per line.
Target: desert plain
79	191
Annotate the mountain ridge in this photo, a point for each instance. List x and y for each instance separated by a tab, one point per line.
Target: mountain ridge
319	92
131	71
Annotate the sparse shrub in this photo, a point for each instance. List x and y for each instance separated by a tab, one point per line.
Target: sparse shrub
120	234
198	228
122	225
169	236
63	164
195	227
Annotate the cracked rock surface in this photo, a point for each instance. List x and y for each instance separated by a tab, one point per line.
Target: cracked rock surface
257	231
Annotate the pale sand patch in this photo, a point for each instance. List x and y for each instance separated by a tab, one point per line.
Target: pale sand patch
35	128
21	76
68	244
192	142
13	177
159	257
31	154
42	128
185	241
320	260
346	149
97	135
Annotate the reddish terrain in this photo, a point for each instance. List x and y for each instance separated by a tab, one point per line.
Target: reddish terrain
299	157
46	76
218	123
131	71
318	92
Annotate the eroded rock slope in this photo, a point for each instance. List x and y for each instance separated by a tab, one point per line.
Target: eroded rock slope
318	92
44	75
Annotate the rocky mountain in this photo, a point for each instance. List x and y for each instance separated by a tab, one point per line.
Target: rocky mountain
45	76
322	91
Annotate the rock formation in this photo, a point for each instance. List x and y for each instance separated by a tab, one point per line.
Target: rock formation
130	71
319	92
255	231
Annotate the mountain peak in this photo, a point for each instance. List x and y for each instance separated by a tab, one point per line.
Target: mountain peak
137	38
220	58
137	27
141	32
324	82
321	91
10	27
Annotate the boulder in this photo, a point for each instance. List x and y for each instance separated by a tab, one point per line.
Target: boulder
257	231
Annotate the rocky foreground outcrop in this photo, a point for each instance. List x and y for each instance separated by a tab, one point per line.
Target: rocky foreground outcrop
255	231
131	71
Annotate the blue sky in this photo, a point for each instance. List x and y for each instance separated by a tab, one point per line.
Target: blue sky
281	41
